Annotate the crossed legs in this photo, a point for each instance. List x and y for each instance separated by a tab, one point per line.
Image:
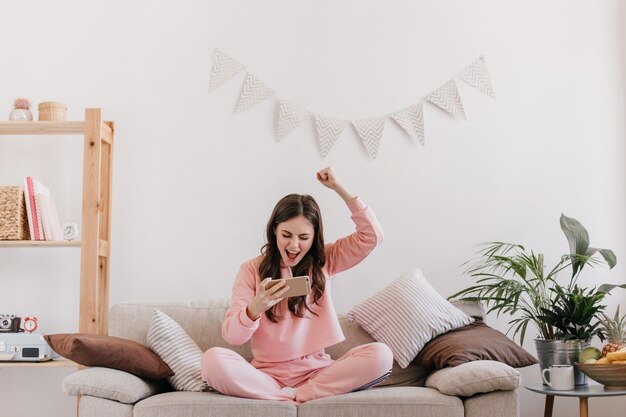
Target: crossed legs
360	368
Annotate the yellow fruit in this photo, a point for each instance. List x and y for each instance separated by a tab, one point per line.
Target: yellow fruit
603	361
618	362
616	356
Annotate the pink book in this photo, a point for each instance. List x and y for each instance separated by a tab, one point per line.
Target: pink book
31	210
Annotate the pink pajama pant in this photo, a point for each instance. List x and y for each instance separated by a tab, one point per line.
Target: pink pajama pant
298	380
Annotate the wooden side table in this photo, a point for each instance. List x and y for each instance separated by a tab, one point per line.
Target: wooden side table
583	392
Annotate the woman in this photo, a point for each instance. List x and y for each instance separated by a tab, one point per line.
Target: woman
288	335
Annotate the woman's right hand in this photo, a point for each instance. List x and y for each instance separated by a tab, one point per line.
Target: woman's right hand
266	298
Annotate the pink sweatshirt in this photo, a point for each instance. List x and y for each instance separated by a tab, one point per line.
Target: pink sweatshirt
294	337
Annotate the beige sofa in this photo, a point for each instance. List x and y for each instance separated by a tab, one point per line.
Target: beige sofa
112	393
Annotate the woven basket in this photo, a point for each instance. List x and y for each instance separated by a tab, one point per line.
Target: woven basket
52	110
13	220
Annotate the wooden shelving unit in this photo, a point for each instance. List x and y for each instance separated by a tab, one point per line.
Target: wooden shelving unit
57	363
96	216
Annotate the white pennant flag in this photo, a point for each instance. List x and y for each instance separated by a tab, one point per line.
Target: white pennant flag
224	68
411	119
328	131
290	116
370	131
448	98
253	92
477	76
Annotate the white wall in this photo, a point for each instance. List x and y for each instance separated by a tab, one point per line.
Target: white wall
194	183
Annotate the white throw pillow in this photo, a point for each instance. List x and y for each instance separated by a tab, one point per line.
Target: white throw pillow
406	314
168	340
474	377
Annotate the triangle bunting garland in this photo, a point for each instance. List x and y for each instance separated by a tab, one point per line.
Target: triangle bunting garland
477	76
328	131
253	92
448	98
371	132
224	68
411	119
290	115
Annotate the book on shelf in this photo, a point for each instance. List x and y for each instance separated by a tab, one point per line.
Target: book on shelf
39	189
43	219
49	217
31	211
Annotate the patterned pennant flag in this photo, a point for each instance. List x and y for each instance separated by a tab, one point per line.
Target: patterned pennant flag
290	116
253	92
448	98
370	131
224	68
477	76
328	131
411	119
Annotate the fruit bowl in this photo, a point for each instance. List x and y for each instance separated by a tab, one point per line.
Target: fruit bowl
612	376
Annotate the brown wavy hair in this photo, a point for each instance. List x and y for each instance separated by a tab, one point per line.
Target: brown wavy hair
290	206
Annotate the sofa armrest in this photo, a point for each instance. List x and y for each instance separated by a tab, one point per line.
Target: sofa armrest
111	384
474	377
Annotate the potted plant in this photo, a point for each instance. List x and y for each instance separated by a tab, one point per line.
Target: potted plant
21	110
515	281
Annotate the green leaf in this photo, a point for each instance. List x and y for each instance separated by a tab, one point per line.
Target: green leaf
577	237
607	254
606	288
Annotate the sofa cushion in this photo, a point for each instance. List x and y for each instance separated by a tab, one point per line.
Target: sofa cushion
387	401
210	404
89	406
111	384
474	377
492	404
110	352
406	314
476	341
178	350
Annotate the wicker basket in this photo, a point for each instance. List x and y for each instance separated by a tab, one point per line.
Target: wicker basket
52	110
13	220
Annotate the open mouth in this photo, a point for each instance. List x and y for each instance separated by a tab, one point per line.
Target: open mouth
291	255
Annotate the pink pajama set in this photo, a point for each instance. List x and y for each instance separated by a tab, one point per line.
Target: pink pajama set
289	362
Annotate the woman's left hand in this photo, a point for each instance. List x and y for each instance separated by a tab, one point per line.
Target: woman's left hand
328	178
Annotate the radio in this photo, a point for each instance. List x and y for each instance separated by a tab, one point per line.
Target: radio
25	347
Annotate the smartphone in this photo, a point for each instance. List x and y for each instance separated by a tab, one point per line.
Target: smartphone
297	286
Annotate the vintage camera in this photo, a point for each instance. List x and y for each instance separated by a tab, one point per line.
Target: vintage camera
10	323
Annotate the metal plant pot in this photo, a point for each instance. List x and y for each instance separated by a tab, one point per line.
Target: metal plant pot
560	352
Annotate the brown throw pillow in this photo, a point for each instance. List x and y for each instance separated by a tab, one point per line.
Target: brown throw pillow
109	352
476	341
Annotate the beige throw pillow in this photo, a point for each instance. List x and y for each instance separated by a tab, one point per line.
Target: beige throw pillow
406	314
474	377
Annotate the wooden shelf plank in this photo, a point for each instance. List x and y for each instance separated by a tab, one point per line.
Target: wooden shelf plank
42	128
39	243
56	363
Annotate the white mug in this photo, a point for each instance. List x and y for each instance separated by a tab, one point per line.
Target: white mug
561	377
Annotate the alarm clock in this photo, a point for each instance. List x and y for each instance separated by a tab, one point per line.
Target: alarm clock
70	231
30	324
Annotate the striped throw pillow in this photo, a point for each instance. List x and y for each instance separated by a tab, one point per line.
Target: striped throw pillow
168	340
406	314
